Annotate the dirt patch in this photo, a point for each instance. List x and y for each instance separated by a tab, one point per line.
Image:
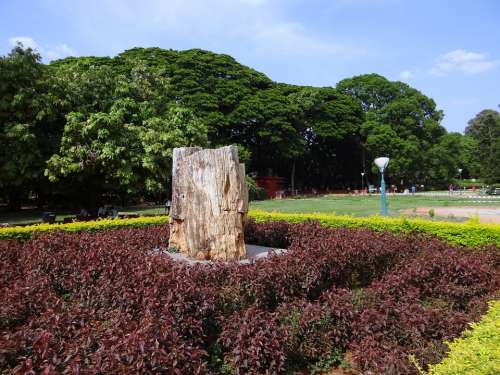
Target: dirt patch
485	214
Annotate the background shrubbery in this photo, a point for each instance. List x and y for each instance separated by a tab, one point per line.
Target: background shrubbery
255	192
465	234
112	301
84	129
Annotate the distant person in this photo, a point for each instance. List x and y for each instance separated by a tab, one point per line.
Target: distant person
168	205
114	212
450	189
413	190
101	212
83	213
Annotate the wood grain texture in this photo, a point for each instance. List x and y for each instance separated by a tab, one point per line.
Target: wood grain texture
209	203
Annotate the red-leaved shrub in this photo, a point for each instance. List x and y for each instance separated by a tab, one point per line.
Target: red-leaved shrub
116	302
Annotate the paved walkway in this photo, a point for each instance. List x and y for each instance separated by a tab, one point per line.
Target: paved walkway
476	197
485	214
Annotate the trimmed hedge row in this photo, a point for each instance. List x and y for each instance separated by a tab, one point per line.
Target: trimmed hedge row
477	351
26	232
468	234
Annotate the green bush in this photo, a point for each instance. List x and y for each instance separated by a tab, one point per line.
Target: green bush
27	231
255	192
471	234
468	183
477	352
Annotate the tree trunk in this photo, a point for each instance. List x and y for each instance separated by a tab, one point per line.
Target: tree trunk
15	199
209	203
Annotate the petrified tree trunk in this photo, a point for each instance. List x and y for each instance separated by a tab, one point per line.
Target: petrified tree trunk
209	203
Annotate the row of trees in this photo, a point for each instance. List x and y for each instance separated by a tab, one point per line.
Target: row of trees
79	128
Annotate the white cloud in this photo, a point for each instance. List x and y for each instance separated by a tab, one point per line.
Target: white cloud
242	27
292	39
463	61
59	51
406	75
54	52
26	41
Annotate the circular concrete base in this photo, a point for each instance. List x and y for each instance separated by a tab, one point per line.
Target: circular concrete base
254	252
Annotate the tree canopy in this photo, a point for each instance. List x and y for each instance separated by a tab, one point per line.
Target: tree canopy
483	134
400	123
83	127
21	162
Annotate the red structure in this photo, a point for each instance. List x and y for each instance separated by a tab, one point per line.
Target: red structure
271	184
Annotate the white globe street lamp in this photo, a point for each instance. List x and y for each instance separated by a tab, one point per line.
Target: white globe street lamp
381	163
460	174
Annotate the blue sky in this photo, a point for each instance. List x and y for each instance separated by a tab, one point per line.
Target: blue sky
448	49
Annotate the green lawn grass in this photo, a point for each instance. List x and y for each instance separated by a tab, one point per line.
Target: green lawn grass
28	216
33	216
334	204
362	205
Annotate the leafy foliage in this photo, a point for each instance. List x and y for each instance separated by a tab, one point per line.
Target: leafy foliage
82	128
115	301
477	351
404	125
484	131
28	231
128	142
20	152
469	234
255	192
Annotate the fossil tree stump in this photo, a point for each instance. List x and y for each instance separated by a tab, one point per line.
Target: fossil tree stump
209	203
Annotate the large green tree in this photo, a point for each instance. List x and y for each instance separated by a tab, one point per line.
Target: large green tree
329	122
263	124
403	124
212	85
21	162
122	142
82	127
485	130
470	157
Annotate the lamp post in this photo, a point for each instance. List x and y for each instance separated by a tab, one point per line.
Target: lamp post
362	180
382	164
460	174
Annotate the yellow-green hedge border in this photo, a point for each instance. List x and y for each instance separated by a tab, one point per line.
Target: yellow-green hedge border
27	231
465	234
477	351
